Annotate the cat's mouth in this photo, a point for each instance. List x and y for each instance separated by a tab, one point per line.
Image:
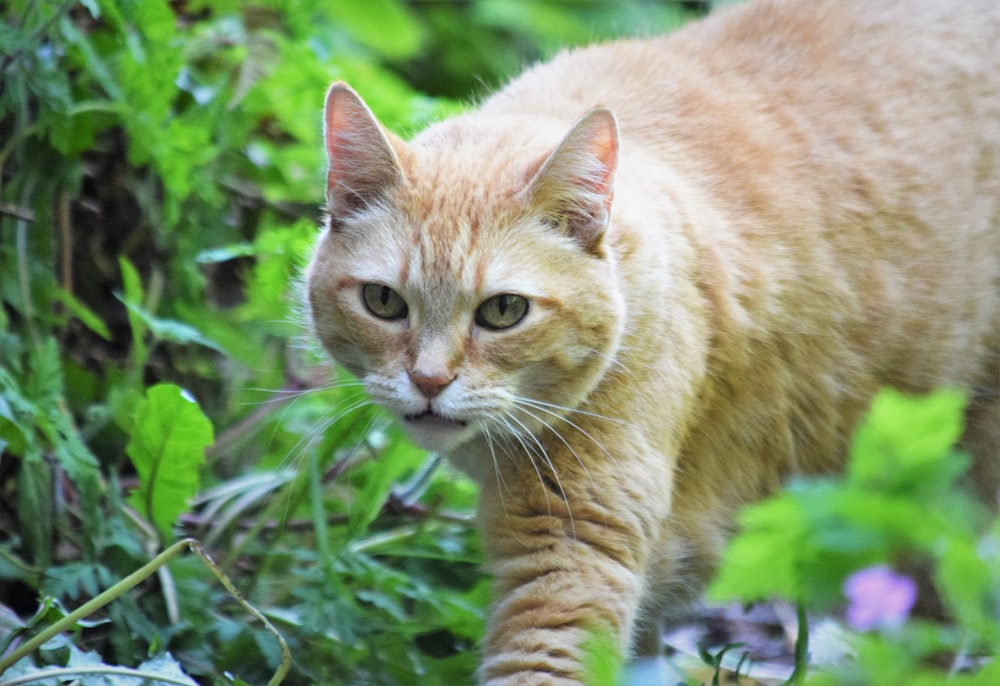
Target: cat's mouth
432	417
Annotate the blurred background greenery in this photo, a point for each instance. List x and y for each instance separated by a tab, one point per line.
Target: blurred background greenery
161	177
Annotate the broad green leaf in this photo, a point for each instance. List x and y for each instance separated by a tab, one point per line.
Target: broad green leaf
603	663
164	665
167	448
763	560
155	19
83	659
969	585
903	431
45	379
989	675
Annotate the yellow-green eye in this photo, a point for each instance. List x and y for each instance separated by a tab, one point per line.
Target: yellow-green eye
383	302
501	311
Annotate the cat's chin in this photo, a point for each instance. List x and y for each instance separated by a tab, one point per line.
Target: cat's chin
433	431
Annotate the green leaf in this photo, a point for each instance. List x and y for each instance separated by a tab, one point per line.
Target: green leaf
86	315
224	253
163	665
155	19
142	321
546	22
603	664
167	448
45	379
132	294
89	59
170	329
92	6
763	560
16	418
897	500
398	459
905	432
35	509
969	584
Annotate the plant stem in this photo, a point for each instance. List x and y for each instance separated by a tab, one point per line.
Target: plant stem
59	672
94	604
798	676
286	654
133	580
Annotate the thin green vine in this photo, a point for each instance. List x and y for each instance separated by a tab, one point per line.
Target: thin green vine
124	586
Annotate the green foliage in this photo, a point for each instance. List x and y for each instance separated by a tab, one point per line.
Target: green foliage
167	448
899	503
92	671
603	664
161	168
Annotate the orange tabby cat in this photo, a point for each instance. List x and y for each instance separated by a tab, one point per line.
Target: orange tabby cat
647	281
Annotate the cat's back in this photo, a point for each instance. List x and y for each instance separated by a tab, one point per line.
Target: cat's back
795	97
801	112
771	54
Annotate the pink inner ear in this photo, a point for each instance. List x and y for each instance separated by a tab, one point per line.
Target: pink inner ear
604	146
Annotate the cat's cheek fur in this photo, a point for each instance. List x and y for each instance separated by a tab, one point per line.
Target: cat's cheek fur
558	360
346	335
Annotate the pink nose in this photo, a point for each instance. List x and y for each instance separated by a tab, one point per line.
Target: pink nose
430	385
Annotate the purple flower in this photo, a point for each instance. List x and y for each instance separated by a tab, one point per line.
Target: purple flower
879	598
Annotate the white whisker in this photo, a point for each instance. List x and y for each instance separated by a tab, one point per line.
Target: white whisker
313	436
614	360
544	407
501	484
525	409
544	456
556	409
586	470
517	435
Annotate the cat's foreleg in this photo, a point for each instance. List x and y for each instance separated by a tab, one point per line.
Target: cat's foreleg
568	558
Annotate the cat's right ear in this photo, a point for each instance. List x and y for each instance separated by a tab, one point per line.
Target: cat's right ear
363	167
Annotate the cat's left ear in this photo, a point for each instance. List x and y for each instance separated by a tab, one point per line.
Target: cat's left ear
575	185
363	166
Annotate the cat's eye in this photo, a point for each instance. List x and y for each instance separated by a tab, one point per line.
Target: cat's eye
501	311
383	302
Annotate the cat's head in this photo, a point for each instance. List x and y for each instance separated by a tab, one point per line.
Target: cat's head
465	277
